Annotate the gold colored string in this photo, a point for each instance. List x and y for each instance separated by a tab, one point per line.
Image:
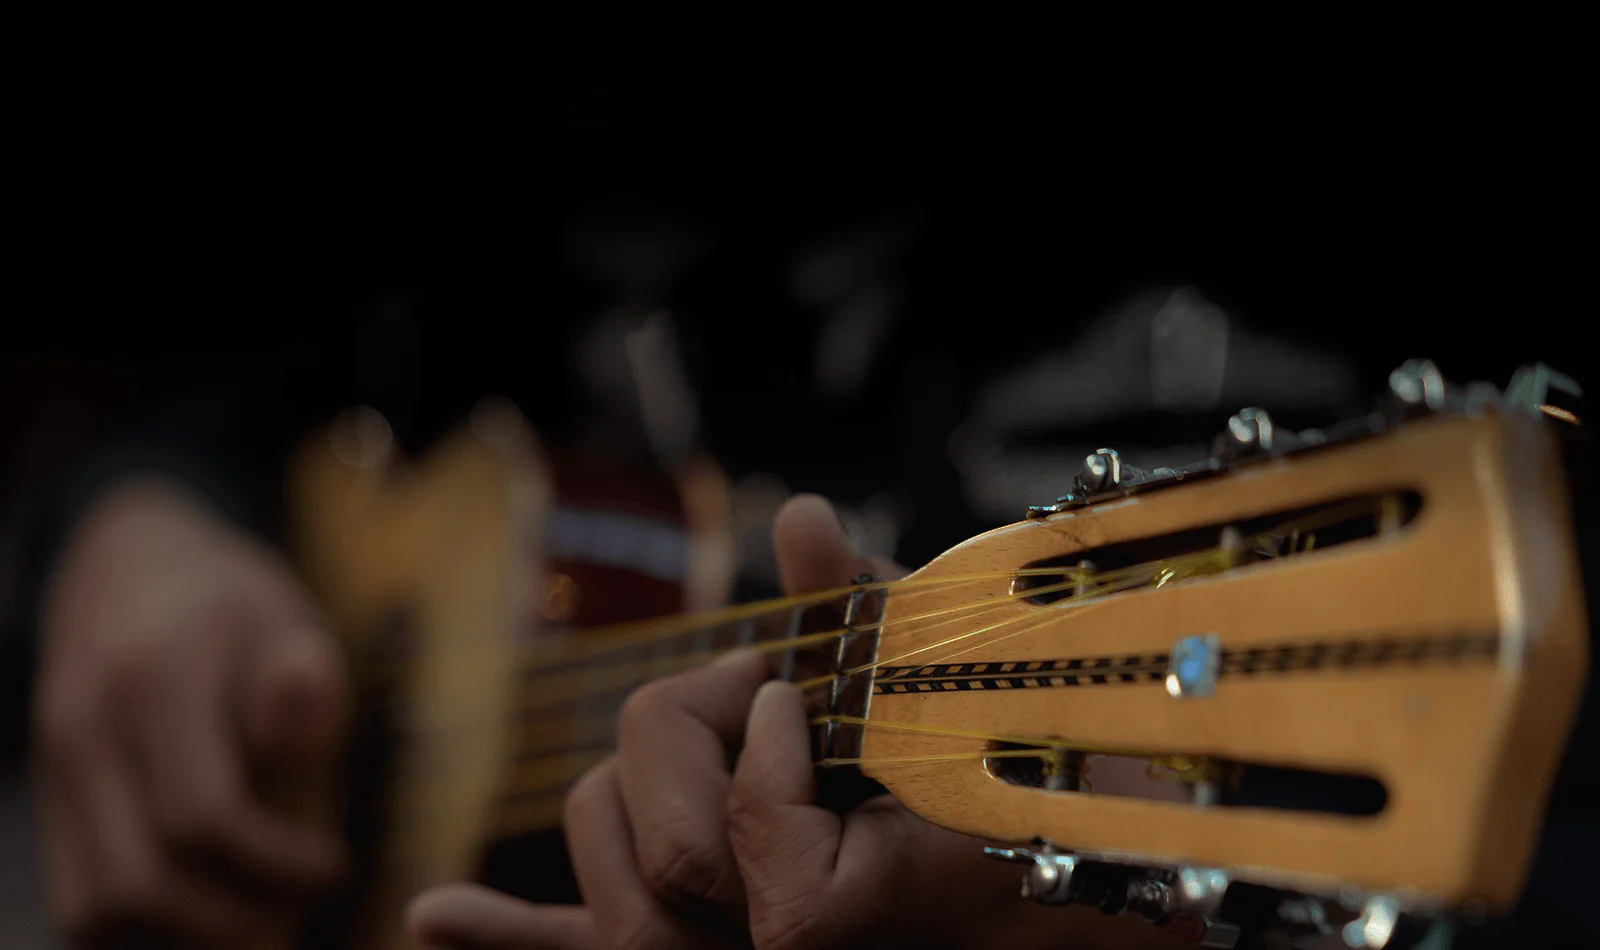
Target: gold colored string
620	675
624	636
1184	768
1029	622
1156	573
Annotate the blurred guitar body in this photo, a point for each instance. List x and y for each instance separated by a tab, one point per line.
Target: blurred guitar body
437	574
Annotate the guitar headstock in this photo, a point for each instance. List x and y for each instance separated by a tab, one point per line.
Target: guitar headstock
1322	679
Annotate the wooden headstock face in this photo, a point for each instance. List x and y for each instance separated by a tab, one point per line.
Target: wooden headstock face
1385	712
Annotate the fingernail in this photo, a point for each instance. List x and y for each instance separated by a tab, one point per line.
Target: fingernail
772	691
736	657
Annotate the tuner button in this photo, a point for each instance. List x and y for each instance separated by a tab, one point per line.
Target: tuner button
1249	432
1539	389
1200	890
1102	471
1150	899
1049	876
1049	881
1418	384
1376	924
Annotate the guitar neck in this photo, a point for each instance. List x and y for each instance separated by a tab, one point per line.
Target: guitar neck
574	684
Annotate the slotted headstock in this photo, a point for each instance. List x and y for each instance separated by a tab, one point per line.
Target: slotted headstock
1344	663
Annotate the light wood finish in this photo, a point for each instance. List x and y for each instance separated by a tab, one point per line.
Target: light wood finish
449	544
1466	751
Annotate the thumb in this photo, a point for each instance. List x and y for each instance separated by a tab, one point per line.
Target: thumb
813	551
295	704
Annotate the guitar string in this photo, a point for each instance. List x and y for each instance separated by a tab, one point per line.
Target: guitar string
1190	768
1075	600
515	788
589	680
632	676
1134	576
616	678
1158	573
1161	572
617	637
1051	750
624	636
1138	574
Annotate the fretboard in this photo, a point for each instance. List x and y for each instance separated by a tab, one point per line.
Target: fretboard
573	686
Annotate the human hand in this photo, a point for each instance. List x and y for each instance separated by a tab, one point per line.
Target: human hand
182	664
677	846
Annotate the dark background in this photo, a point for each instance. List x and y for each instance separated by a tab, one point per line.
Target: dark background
222	198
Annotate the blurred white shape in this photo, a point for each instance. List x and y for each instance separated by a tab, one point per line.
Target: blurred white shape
1111	369
1188	352
847	278
653	548
756	500
875	527
667	401
885	517
1168	349
851	338
603	357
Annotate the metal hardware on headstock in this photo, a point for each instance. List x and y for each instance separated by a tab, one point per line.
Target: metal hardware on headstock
1208	908
1416	388
1205	904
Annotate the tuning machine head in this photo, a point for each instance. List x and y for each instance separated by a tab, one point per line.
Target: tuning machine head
1048	879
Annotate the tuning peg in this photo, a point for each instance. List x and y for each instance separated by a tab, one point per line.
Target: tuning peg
1418	384
1250	432
1538	388
1101	471
1049	877
1010	855
1376	925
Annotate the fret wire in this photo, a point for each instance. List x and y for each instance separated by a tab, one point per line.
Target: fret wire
786	670
703	640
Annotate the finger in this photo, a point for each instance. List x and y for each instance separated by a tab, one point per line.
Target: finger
295	705
793	853
813	550
780	837
191	762
65	857
676	740
473	917
600	840
131	886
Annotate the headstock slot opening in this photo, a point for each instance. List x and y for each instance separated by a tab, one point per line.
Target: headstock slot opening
1179	778
1268	537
